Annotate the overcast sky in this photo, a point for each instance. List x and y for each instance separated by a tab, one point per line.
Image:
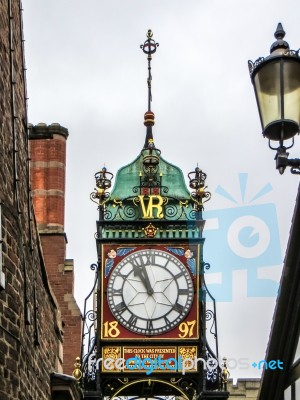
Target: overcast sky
87	72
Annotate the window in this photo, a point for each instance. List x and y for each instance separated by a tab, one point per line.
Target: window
293	391
288	393
297	355
297	389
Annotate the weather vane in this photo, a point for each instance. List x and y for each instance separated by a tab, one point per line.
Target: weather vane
149	48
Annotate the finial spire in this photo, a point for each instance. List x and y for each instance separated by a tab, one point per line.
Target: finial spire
149	48
280	44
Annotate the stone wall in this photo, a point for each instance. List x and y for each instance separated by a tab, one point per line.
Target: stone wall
246	389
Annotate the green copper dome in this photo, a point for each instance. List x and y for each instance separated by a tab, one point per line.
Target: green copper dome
128	177
149	188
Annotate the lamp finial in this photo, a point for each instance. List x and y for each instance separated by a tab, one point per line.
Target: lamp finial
280	43
280	33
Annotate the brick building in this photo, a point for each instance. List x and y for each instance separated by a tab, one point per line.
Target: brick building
39	319
47	171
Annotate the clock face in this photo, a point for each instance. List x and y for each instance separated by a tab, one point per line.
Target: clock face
150	292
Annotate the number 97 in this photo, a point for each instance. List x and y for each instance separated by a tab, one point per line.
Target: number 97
187	329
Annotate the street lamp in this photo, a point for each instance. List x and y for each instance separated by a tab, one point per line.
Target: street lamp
276	81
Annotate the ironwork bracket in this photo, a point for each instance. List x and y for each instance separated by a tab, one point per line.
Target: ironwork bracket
282	161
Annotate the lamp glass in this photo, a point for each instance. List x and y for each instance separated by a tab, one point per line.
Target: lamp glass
267	85
277	85
291	77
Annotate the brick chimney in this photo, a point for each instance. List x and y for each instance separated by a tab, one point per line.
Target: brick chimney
48	165
47	171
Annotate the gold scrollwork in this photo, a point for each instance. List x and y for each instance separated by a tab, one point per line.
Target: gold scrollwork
112	353
188	353
117	203
174	381
124	381
103	199
183	203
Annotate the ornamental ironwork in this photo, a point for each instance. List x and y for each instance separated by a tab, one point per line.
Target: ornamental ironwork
197	183
150	199
88	359
131	209
149	47
103	183
278	44
252	65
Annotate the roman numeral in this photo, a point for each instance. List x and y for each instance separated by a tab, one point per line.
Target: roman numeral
183	291
132	320
167	322
120	307
178	307
149	325
116	292
141	261
137	263
150	258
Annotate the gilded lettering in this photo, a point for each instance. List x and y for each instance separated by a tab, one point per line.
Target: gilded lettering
149	204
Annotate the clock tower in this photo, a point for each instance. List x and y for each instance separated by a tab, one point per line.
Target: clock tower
152	309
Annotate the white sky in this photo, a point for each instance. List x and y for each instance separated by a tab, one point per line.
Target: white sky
87	72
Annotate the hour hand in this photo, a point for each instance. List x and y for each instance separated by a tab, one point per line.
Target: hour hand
147	280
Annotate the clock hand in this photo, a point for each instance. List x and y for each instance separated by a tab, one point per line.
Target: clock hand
147	280
140	270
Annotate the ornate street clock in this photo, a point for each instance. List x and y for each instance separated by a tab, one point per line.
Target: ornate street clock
151	309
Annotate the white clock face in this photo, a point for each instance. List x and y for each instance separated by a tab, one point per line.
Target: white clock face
150	292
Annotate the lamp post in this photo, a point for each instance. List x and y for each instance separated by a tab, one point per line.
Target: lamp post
276	81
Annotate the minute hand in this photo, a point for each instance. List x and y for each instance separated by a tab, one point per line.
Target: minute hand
141	271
